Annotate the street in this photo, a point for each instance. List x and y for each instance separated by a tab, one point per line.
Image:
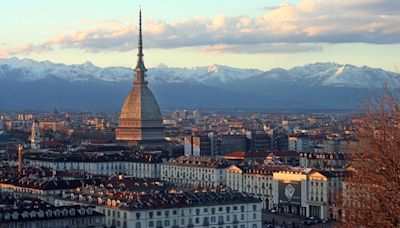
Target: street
281	220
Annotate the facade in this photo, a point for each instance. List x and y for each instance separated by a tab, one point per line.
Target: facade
308	192
195	171
299	143
323	193
202	145
140	165
280	140
140	121
259	142
232	143
210	209
255	180
290	191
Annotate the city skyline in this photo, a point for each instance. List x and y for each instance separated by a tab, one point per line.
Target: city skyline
280	33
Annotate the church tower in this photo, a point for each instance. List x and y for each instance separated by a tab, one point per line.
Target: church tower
140	121
35	135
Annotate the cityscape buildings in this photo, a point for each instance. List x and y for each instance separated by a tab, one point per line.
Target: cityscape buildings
146	167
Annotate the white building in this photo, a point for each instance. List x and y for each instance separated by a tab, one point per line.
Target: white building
140	165
212	209
195	171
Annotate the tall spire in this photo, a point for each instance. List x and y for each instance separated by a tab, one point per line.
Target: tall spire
140	68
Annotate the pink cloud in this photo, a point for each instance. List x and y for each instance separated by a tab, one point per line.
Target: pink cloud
309	21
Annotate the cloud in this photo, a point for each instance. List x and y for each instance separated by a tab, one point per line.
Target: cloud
25	48
286	28
282	48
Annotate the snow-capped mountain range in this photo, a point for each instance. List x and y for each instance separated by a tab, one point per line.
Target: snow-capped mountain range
233	87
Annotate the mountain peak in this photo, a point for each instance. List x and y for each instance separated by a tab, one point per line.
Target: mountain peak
162	65
87	63
213	68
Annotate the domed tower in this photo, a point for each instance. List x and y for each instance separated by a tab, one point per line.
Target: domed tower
140	121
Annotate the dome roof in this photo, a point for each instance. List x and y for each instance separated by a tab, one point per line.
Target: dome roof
141	104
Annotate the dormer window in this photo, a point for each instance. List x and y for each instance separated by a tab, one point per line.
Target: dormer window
72	212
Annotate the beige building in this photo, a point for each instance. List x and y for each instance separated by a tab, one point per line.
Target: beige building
323	192
255	180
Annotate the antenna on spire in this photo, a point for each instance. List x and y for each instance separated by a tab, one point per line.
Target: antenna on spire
140	68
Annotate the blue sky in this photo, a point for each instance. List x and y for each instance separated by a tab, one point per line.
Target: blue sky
240	33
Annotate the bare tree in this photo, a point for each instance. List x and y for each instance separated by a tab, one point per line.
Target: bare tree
372	192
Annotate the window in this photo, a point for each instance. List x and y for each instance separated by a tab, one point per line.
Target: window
151	224
235	208
212	218
166	222
220	209
137	225
228	218
205	210
159	223
174	212
138	215
220	219
254	216
158	213
197	220
254	207
254	226
213	210
242	208
197	211
242	216
166	214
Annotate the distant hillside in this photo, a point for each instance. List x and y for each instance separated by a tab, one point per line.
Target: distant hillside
28	84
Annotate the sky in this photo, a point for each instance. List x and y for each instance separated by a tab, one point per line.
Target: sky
261	34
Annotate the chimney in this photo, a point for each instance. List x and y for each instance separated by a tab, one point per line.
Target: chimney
20	159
